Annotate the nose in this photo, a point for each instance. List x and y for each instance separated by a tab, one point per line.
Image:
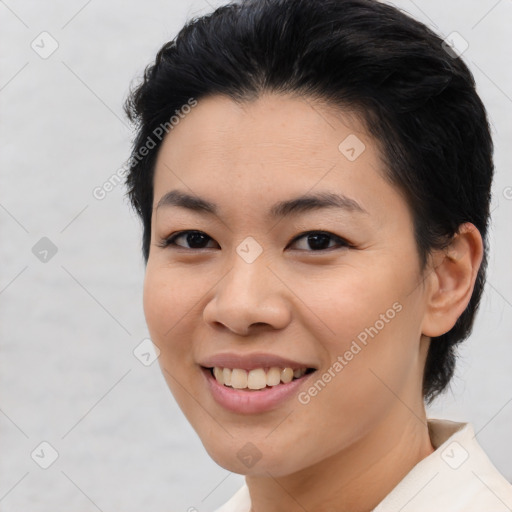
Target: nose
248	298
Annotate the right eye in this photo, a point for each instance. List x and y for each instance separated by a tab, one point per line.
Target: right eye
195	240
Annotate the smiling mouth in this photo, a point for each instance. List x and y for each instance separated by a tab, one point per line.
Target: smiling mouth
258	378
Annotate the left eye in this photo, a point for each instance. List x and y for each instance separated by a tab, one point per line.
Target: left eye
317	240
320	240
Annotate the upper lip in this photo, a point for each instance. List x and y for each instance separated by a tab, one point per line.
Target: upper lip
251	361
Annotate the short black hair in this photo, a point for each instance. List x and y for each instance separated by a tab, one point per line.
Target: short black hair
416	97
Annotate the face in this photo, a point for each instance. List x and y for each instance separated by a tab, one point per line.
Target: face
249	275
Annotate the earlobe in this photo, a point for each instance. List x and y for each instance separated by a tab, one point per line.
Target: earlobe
452	277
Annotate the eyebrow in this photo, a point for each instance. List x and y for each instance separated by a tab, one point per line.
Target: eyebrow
296	205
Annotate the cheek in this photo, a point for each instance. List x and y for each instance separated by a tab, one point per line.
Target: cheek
159	304
167	297
350	303
368	327
168	308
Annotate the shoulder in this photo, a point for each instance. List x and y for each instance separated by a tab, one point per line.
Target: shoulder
457	477
239	502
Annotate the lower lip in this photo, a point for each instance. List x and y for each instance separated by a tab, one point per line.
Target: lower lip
252	402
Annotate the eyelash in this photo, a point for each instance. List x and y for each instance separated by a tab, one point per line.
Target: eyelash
170	241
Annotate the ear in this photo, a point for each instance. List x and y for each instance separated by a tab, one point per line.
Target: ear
451	278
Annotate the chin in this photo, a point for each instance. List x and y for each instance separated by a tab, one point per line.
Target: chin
248	460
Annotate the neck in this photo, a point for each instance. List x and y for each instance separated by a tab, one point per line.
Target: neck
355	479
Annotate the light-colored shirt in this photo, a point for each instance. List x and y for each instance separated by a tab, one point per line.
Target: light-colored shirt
457	477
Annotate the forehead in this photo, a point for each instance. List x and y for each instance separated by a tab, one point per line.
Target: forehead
269	148
281	127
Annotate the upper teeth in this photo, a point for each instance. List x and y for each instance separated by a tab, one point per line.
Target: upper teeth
257	378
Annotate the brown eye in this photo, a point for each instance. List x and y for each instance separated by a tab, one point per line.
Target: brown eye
314	241
320	241
194	239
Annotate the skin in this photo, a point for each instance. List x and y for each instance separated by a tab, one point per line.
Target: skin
350	445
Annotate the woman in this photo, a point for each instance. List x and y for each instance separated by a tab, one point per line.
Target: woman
313	178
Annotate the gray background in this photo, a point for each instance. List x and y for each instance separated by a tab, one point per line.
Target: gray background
69	326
